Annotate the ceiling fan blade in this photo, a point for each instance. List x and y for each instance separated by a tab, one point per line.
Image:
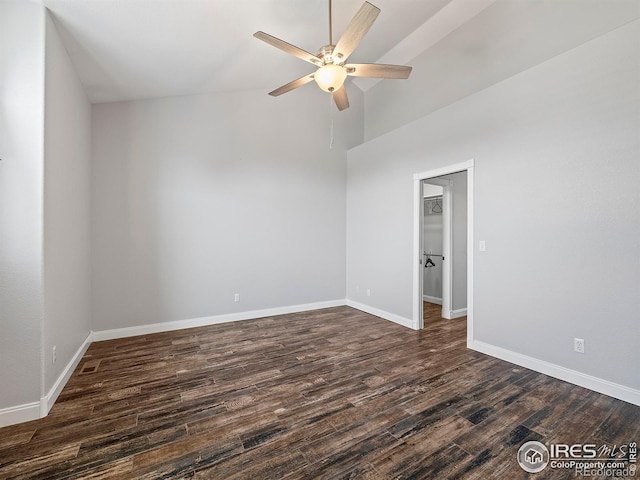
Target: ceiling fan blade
340	97
377	70
291	85
288	48
356	30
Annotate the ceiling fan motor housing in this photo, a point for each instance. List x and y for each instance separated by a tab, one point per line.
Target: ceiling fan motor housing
326	55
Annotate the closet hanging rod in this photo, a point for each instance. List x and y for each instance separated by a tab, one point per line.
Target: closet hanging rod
433	254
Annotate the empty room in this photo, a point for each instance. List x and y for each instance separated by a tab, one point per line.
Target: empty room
285	239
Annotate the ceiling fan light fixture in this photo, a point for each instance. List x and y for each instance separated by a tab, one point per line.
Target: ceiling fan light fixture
330	61
330	77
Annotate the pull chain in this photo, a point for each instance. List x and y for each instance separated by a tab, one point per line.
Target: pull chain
331	124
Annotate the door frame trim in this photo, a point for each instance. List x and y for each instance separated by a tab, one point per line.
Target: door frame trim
418	212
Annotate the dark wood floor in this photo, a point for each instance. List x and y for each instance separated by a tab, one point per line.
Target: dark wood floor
431	313
333	393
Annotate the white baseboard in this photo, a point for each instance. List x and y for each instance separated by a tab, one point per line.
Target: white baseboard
36	410
50	398
596	384
19	414
405	322
430	299
461	312
212	320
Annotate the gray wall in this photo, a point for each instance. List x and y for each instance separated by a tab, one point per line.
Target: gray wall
569	125
503	40
197	198
21	151
67	153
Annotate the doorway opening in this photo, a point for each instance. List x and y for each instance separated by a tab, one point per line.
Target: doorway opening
443	277
436	248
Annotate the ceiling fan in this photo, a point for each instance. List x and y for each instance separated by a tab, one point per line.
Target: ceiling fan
331	59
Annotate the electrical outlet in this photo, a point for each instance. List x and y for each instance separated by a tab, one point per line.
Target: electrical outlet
578	345
482	246
236	297
54	356
368	292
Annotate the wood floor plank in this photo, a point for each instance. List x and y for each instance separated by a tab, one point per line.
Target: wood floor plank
122	468
20	437
188	453
443	463
342	440
32	465
349	462
267	460
332	393
621	426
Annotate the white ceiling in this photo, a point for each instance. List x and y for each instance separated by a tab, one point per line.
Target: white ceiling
133	49
130	49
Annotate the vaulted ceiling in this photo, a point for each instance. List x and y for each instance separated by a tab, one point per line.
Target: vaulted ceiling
132	49
127	49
